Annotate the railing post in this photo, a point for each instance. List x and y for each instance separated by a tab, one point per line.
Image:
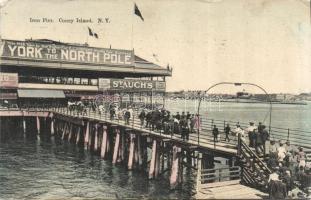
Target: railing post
239	144
172	131
219	174
198	137
198	127
199	172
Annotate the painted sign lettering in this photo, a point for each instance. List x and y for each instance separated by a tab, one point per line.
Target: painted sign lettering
124	84
34	50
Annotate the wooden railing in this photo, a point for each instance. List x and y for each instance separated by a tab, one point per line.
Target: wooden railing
202	137
220	174
255	172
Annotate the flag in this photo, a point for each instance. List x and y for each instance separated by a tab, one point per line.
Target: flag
137	12
92	33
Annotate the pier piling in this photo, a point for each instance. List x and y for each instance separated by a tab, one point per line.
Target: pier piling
131	151
116	147
153	160
52	126
104	148
87	134
38	124
174	179
96	138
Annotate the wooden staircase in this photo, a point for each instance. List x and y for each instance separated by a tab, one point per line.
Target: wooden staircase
255	172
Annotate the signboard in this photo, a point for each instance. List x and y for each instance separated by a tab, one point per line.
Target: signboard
130	84
8	80
35	50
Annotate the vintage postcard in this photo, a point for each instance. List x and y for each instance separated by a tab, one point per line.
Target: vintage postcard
146	99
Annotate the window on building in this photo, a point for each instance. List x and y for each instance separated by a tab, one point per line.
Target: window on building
45	79
51	80
58	80
63	80
70	81
84	81
94	81
77	81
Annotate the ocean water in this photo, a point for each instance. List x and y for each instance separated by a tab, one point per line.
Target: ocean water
52	169
282	115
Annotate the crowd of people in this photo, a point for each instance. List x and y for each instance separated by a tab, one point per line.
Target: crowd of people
160	120
257	135
291	175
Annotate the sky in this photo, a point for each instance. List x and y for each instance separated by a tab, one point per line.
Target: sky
265	42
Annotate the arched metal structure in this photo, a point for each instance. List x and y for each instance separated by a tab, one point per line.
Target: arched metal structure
236	84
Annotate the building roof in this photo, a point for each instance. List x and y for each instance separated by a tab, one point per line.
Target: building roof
81	57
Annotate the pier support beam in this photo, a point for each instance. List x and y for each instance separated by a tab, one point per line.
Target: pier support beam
24	125
153	160
70	132
116	147
52	126
96	138
122	147
87	135
131	153
199	164
139	153
158	160
175	172
104	146
78	135
38	124
64	130
144	152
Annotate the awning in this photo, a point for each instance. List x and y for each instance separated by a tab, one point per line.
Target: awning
55	94
8	96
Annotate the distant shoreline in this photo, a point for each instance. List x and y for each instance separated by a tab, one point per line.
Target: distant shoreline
245	101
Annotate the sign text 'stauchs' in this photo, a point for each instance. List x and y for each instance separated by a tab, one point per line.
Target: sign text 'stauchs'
34	50
123	84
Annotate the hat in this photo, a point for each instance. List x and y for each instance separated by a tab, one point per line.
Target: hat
251	122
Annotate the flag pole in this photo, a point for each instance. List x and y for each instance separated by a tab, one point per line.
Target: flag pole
87	37
132	47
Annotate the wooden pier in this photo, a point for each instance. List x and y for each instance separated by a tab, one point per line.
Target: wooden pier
128	145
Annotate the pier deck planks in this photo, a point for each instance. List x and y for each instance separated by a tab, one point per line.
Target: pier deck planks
231	191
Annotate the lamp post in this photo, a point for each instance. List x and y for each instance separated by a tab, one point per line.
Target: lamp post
235	84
